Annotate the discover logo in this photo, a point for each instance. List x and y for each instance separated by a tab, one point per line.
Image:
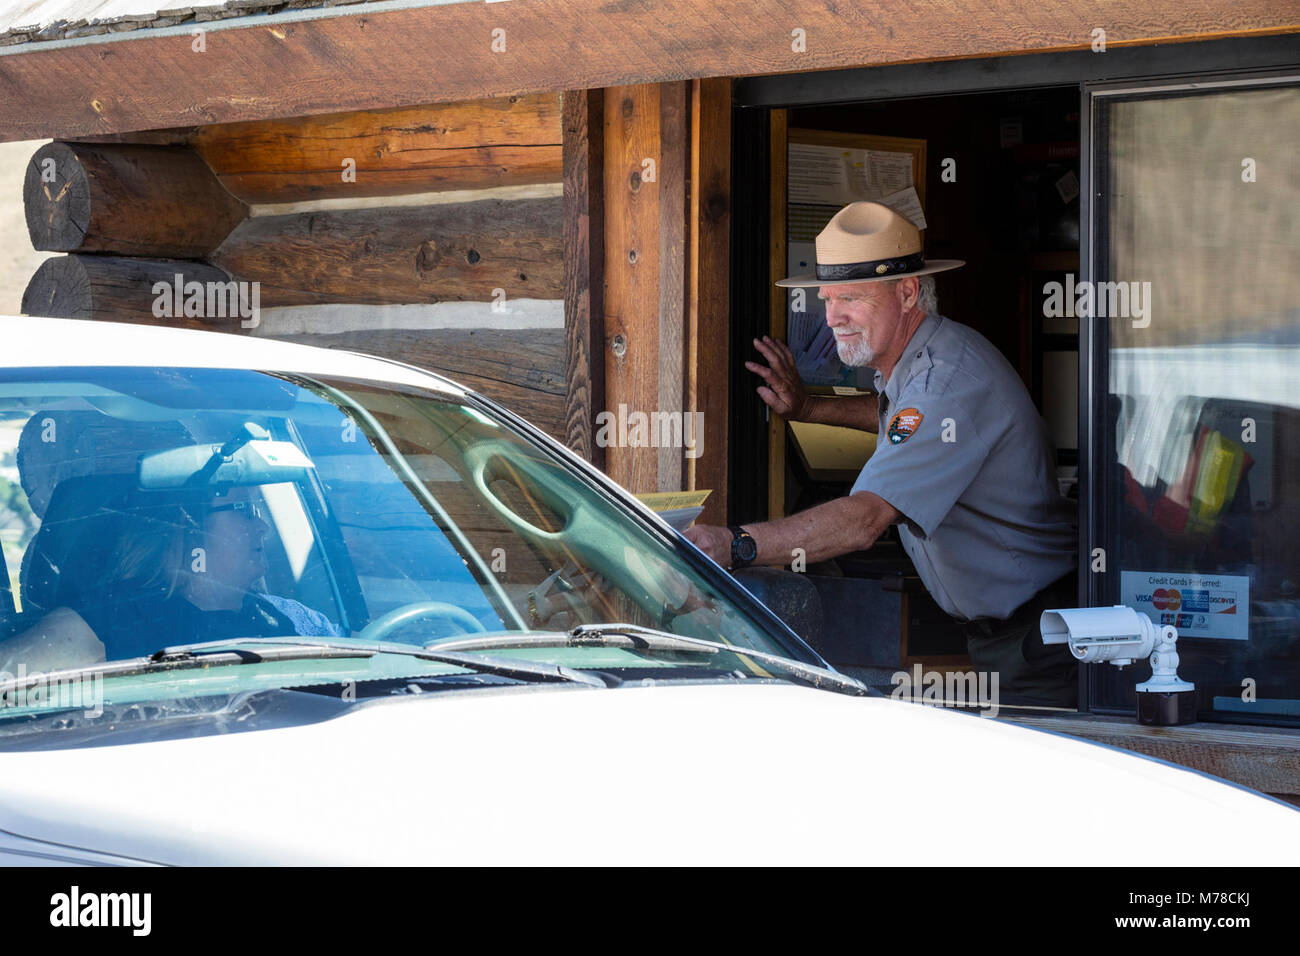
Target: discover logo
102	909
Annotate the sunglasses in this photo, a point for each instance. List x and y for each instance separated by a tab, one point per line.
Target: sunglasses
247	508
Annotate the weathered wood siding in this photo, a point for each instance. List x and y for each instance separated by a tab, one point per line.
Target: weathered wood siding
344	226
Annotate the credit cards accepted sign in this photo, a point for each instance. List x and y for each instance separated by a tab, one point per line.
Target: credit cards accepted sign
1199	605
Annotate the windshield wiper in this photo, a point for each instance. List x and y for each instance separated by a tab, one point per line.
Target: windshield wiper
501	666
219	654
650	640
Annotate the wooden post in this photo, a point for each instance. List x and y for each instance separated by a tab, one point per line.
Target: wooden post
708	336
674	209
776	424
666	190
584	270
632	275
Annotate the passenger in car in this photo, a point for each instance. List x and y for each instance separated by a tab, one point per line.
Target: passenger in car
165	575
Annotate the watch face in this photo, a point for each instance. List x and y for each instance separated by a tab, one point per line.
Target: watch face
746	548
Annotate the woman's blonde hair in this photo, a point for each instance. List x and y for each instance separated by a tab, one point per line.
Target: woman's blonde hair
150	548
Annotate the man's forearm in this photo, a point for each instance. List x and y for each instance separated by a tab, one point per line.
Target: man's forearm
837	527
857	411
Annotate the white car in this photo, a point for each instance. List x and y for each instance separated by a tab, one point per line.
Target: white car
272	604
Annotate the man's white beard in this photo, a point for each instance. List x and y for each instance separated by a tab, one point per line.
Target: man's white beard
854	351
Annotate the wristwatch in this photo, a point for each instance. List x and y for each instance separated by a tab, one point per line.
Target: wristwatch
744	549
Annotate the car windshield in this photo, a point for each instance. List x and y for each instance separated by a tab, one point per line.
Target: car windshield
146	508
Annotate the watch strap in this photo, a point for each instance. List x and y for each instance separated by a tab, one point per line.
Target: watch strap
738	535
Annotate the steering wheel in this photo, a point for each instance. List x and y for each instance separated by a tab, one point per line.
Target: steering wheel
381	627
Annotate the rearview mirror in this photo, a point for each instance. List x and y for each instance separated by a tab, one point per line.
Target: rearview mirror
257	462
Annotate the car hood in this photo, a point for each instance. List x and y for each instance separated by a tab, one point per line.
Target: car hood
743	773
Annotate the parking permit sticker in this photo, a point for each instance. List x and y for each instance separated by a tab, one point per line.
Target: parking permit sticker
903	425
1199	605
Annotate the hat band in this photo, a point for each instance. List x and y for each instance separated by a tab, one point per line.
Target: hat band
873	269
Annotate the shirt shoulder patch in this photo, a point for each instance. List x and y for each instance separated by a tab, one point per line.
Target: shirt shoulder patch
904	425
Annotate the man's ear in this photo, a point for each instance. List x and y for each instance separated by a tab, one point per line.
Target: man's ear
909	291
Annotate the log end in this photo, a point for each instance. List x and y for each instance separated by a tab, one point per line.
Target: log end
56	199
59	289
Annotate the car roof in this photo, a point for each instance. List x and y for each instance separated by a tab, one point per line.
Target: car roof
36	342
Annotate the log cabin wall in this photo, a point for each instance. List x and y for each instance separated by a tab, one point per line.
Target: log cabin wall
431	235
566	255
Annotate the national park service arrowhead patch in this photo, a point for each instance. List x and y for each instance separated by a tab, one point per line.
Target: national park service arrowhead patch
904	425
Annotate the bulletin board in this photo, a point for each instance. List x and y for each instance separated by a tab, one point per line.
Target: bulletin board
815	173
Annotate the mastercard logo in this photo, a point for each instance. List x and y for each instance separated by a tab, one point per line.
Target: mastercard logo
1167	599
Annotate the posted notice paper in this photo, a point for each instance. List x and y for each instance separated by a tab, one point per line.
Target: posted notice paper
1199	605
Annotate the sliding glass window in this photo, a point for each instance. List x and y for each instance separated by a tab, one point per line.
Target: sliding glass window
1194	308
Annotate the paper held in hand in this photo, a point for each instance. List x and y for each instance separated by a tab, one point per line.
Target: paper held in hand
678	508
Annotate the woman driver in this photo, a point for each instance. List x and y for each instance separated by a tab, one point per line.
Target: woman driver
169	578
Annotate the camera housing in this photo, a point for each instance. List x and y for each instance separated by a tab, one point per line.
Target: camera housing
1120	635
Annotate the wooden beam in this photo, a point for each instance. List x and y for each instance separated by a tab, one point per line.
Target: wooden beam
120	289
156	201
479	144
491	249
584	270
296	63
708	338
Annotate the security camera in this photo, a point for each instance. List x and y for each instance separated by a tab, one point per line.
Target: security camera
1122	635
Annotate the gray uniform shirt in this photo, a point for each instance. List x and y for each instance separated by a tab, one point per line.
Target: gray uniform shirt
964	456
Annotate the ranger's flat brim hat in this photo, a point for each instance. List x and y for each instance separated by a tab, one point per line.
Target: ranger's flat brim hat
868	242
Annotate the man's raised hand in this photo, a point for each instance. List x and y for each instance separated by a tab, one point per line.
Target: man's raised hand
784	392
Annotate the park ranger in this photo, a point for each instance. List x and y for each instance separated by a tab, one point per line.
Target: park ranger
963	464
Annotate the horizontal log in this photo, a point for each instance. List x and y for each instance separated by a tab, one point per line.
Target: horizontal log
297	63
154	201
523	370
439	253
470	144
476	144
119	289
